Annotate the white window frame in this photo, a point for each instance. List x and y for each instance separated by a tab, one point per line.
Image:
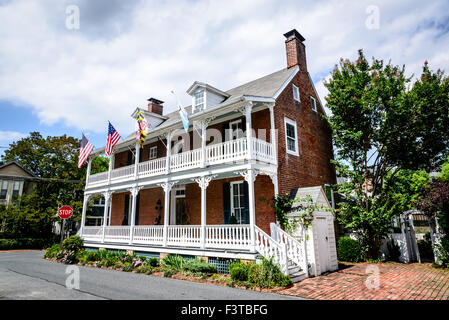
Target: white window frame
202	104
296	95
234	134
292	123
240	182
153	153
313	105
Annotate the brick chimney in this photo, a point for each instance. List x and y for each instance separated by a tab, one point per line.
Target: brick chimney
296	50
155	106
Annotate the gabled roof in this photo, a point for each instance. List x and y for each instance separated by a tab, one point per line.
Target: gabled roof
316	193
197	84
18	165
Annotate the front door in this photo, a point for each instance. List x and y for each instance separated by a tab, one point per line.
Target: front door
179	216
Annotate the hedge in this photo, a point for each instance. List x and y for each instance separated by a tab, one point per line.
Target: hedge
24	243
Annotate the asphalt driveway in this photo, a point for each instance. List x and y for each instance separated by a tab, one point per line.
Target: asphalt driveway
26	275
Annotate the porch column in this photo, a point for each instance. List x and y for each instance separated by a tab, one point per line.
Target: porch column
203	143
249	129
83	214
168	153
107	199
273	134
167	188
111	166
134	194
250	176
89	166
136	161
203	182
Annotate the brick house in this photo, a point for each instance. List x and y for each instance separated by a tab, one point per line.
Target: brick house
201	193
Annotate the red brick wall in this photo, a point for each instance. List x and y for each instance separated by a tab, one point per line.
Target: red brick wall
313	166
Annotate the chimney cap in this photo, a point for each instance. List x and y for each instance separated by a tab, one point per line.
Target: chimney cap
294	34
156	101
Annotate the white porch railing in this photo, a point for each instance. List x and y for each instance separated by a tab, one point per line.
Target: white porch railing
184	236
92	233
148	235
228	237
152	167
123	173
270	248
296	251
117	234
186	160
219	153
98	178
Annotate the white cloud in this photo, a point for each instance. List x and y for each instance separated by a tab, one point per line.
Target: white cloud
7	137
124	54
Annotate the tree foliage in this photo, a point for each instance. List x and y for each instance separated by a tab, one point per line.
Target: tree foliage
54	160
380	127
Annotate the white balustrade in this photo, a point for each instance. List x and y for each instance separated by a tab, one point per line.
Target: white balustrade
295	249
98	178
123	172
91	233
148	235
263	151
152	167
231	150
186	160
184	236
117	234
270	248
228	236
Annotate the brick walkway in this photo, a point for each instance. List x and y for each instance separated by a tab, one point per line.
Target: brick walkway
397	281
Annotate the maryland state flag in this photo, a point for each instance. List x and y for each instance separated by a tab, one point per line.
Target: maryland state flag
142	127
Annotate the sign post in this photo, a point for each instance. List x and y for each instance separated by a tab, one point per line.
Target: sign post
65	212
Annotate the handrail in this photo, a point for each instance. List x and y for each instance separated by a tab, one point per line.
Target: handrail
270	248
296	251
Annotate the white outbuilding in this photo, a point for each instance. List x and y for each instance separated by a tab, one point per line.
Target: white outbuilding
321	253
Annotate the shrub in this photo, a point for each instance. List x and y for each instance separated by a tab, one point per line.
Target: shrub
154	262
52	251
73	243
199	266
349	250
88	256
238	271
174	262
146	269
128	267
268	275
24	243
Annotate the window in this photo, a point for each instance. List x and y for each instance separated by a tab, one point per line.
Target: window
15	191
199	100
237	201
153	152
296	93
235	130
313	103
291	137
4	190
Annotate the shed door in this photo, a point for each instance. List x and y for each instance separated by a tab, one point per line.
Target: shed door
323	248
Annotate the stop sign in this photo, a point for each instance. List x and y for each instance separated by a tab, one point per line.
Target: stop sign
65	212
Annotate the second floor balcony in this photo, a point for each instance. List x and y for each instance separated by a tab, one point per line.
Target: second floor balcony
227	152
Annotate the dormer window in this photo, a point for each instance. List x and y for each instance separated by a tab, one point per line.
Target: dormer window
199	100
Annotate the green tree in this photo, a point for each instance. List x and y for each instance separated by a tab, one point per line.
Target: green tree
55	161
379	128
444	174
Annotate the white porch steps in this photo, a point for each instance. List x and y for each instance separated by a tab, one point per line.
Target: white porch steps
285	250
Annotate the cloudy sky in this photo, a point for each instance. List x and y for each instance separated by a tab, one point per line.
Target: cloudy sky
57	78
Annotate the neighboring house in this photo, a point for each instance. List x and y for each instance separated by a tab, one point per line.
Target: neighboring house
202	193
15	181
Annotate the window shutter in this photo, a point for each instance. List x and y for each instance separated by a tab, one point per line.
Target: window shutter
125	214
245	203
244	126
224	128
129	161
226	202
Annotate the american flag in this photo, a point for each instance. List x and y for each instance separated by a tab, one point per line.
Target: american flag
85	150
113	138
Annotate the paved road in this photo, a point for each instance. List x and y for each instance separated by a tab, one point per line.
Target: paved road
26	275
